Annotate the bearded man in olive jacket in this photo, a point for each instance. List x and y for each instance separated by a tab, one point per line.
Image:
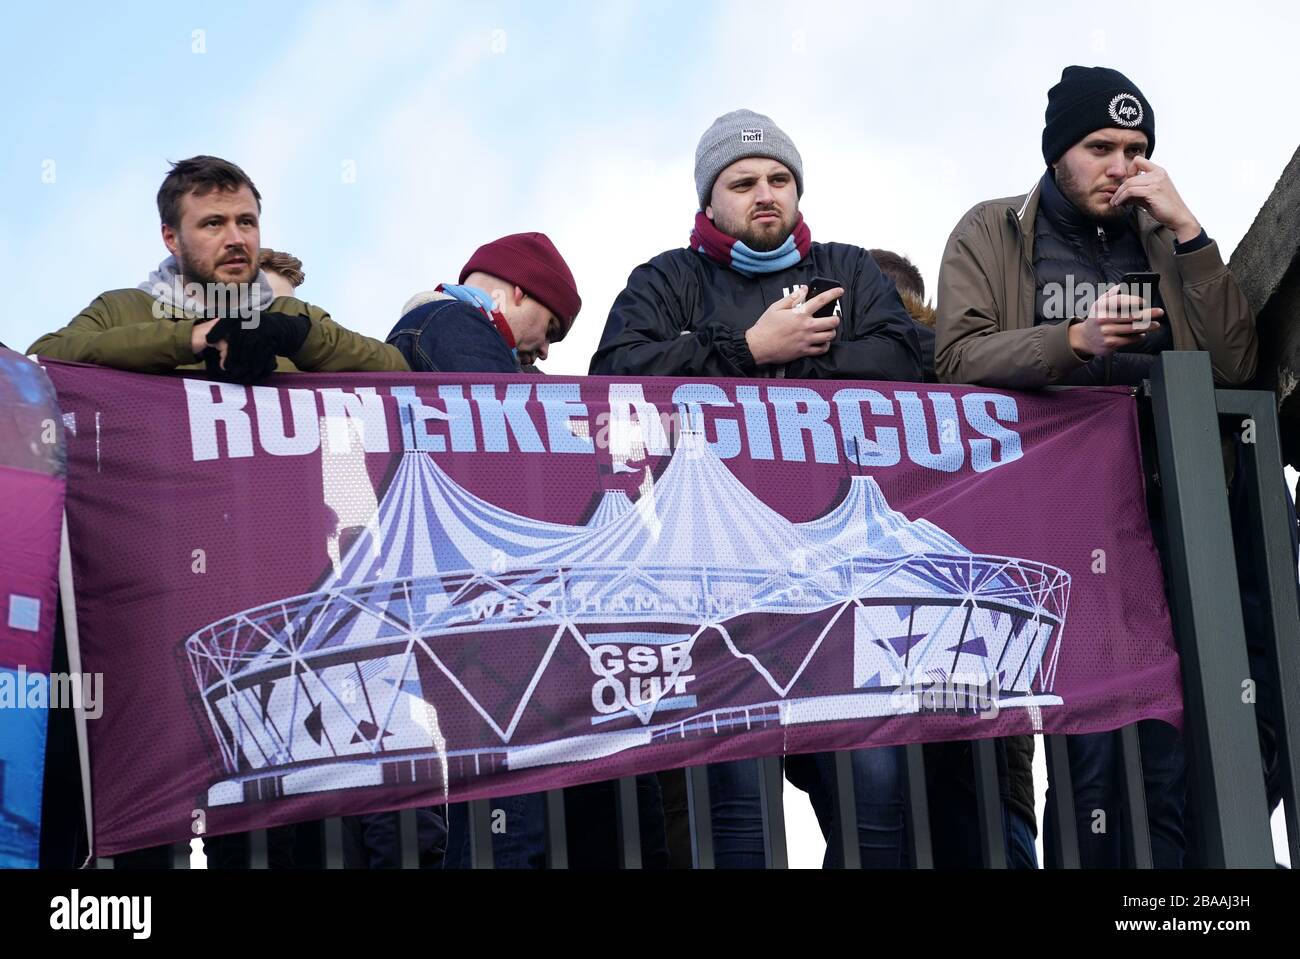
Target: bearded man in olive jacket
208	305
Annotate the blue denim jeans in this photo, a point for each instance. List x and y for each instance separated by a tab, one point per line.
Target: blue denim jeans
520	843
1095	773
1021	851
955	834
878	777
372	840
591	827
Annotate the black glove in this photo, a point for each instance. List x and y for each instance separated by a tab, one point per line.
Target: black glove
286	331
250	354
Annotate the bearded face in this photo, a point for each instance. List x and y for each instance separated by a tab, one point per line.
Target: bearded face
218	238
755	200
1089	173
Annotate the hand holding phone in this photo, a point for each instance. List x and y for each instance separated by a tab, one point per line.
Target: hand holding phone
1144	285
819	285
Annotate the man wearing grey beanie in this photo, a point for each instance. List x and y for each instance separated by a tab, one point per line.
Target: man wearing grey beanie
734	303
735	296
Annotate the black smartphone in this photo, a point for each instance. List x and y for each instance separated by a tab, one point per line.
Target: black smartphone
1145	285
818	286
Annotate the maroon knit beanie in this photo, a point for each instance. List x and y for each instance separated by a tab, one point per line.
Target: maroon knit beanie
531	262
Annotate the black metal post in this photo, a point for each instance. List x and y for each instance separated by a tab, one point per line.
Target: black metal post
771	783
988	804
334	843
258	855
408	834
1135	799
557	837
699	811
918	809
1065	838
1275	570
845	811
629	824
480	833
1207	615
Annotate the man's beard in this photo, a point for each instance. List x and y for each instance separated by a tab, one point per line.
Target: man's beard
217	298
1073	191
194	273
757	239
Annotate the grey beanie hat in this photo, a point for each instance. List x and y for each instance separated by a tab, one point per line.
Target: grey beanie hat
734	136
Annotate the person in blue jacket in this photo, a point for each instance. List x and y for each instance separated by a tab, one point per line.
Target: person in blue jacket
514	298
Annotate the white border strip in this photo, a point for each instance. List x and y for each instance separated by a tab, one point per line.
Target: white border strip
67	599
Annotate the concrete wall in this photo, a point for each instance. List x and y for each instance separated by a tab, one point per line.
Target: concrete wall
1266	264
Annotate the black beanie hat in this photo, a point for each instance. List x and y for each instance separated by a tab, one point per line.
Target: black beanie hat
1088	99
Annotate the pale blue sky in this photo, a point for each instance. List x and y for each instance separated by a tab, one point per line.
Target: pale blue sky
580	119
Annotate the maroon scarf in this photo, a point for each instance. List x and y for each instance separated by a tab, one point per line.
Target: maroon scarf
727	250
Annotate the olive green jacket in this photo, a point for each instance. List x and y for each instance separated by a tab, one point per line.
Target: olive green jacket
121	329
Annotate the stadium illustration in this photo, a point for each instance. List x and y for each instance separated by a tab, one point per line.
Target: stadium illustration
394	670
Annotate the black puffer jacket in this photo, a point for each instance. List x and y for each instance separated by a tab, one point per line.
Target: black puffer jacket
1071	250
683	314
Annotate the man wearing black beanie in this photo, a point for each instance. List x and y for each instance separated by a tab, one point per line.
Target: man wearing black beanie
1029	296
1026	288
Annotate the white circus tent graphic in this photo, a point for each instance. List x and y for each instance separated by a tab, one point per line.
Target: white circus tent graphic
613	504
464	609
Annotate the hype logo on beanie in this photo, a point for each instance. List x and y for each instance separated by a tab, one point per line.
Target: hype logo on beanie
531	262
740	134
1091	98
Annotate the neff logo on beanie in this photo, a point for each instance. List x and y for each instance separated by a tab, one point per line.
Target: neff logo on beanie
736	136
1126	110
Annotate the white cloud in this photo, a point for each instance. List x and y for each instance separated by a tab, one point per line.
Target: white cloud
100	235
906	114
619	208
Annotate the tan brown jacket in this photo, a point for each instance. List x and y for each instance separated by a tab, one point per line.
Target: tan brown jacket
985	325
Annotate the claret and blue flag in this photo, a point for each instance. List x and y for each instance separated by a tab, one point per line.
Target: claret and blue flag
32	468
347	593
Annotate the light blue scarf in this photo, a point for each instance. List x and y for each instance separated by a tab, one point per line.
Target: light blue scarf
475	296
729	251
472	295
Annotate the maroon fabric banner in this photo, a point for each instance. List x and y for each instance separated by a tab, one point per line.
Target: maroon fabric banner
32	467
32	479
348	593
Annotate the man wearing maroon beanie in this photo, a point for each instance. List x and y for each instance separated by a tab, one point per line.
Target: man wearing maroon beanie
514	298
